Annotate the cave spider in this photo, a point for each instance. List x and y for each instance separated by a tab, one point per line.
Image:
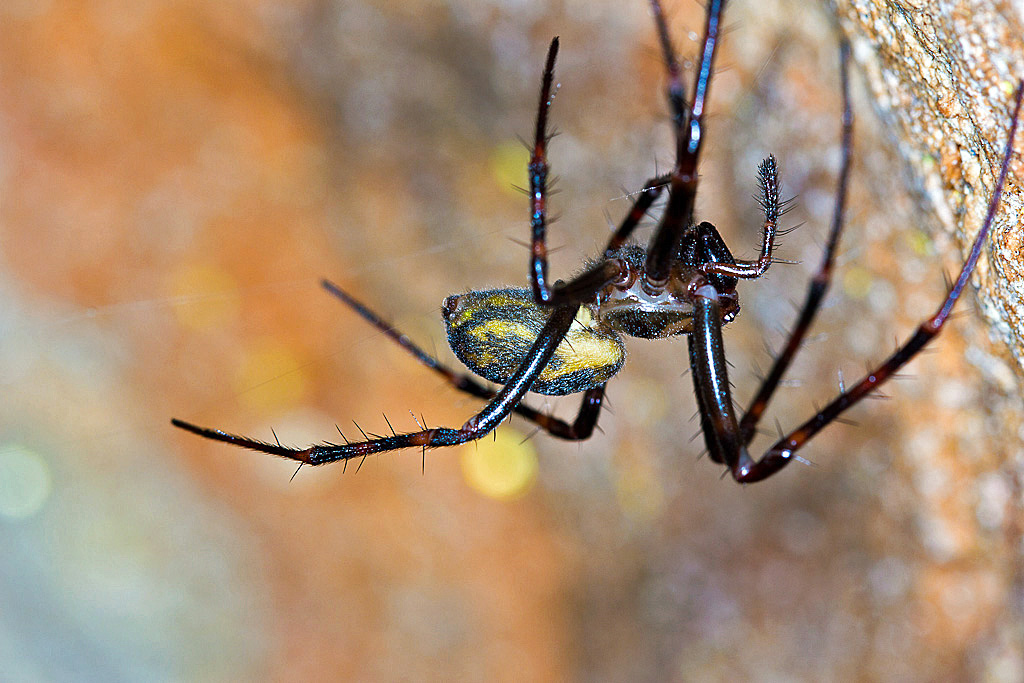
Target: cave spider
564	338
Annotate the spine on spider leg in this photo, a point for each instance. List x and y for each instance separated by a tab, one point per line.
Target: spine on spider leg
768	180
428	438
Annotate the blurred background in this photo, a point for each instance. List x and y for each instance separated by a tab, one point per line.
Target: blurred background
177	176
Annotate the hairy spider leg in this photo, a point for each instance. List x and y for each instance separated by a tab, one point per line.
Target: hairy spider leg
683	182
538	171
746	470
688	121
584	286
477	426
565	301
580	429
586	418
821	281
779	455
648	195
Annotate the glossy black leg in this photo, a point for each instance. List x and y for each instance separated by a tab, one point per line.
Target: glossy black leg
468	384
678	214
583	287
711	383
477	426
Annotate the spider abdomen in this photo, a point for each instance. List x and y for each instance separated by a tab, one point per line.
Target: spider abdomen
491	332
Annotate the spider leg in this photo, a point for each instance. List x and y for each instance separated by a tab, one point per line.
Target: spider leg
780	454
467	384
822	279
606	271
584	286
674	92
784	450
538	171
688	122
711	382
648	195
482	423
689	127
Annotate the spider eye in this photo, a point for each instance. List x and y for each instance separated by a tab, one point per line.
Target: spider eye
491	332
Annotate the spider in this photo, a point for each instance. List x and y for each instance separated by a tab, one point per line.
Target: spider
564	338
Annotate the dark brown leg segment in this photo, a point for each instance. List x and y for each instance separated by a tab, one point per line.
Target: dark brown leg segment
821	280
784	450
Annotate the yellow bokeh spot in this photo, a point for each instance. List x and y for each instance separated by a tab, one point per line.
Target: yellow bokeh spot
271	376
508	164
503	466
25	482
919	242
857	282
206	295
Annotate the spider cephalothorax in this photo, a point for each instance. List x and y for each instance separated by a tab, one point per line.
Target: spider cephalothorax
564	338
635	308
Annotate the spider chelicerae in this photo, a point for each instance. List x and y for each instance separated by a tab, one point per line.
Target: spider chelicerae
564	337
